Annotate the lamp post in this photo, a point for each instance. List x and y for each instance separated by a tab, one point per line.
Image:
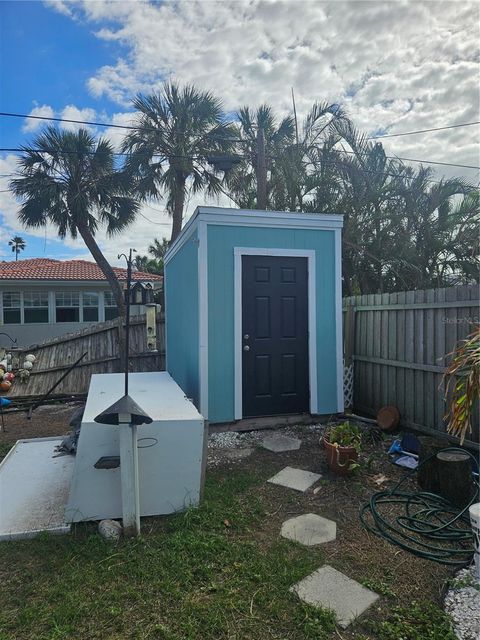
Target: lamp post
126	413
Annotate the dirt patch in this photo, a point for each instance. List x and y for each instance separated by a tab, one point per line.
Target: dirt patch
48	420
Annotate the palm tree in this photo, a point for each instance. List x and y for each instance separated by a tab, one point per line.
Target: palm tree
18	244
149	265
291	154
158	249
68	179
179	129
242	180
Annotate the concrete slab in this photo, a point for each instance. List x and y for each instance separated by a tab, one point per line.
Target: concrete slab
278	443
34	486
297	479
309	529
328	588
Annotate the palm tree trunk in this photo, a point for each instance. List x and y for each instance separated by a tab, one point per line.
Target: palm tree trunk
178	204
109	274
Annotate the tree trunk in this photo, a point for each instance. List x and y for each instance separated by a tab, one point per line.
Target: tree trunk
178	204
115	286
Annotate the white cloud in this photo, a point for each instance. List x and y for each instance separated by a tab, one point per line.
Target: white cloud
395	65
31	124
61	6
71	112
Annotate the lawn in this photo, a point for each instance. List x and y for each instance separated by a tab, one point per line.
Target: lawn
221	571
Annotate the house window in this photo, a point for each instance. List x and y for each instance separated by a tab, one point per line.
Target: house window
67	306
111	310
35	306
11	308
90	307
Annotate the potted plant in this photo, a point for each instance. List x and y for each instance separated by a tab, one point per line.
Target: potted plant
342	444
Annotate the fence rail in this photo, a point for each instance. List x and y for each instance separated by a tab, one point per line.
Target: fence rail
100	343
400	343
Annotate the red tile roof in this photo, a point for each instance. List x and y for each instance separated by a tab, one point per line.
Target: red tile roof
50	269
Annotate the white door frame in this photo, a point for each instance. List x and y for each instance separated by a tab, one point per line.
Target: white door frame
312	313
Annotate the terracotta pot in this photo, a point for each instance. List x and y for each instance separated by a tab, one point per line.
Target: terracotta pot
340	458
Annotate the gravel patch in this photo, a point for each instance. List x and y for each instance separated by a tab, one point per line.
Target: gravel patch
221	446
462	602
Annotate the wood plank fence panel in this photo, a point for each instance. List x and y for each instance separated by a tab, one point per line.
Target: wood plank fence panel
100	343
401	345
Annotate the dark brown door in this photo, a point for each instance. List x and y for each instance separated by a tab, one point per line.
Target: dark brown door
274	335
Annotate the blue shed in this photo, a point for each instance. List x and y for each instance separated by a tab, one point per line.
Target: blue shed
253	304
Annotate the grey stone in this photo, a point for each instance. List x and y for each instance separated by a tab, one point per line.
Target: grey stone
110	530
297	479
309	529
328	588
277	443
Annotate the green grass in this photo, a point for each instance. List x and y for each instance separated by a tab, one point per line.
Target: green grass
4	449
211	573
419	621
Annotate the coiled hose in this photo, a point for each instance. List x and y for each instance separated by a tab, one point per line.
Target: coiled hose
428	526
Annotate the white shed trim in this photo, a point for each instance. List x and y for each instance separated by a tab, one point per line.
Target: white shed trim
203	318
254	218
339	319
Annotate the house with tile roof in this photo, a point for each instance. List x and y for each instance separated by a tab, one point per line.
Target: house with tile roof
44	298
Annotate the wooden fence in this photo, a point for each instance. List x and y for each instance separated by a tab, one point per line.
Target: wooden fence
399	344
100	343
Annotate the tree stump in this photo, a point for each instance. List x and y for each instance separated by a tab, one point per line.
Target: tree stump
454	473
427	476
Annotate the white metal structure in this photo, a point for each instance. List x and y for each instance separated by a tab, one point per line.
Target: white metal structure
34	487
170	450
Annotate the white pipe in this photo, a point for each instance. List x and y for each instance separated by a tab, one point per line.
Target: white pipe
129	479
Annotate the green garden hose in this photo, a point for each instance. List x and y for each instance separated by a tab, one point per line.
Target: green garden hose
428	525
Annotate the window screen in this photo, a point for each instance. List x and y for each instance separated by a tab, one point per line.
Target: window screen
11	308
111	310
35	306
90	307
67	306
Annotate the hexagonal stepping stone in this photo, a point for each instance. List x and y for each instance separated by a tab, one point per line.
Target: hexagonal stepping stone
309	529
277	443
297	479
328	588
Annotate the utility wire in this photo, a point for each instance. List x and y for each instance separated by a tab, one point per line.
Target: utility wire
164	224
237	155
411	133
137	128
322	161
445	164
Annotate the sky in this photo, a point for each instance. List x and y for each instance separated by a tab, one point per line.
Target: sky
394	66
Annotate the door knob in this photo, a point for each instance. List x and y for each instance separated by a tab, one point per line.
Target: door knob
246	348
246	336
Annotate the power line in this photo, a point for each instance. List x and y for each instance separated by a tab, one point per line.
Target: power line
164	224
411	133
137	128
445	164
109	125
73	121
198	157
